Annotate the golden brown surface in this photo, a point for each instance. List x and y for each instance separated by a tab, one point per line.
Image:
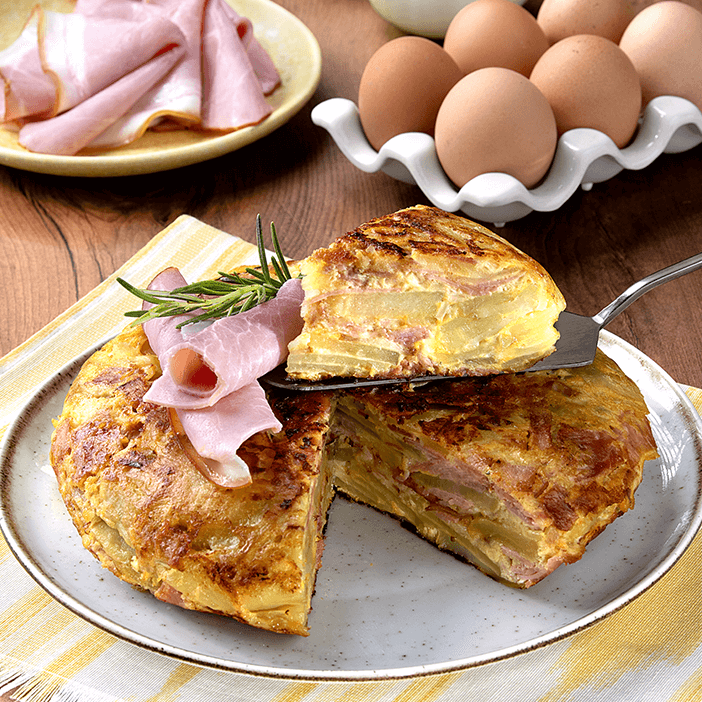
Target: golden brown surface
516	472
422	291
146	512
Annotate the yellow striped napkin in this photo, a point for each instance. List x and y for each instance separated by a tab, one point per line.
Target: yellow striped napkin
650	650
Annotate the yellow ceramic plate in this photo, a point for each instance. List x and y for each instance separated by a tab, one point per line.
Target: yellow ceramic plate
290	44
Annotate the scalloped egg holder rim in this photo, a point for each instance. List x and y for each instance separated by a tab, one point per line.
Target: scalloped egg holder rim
583	157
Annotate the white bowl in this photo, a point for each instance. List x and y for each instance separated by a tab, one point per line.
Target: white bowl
423	17
583	157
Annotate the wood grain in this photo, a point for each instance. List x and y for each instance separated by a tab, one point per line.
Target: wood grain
59	236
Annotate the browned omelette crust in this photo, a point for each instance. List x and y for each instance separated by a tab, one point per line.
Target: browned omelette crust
143	509
426	235
562	451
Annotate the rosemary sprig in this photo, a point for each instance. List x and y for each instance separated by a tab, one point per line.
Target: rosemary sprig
229	294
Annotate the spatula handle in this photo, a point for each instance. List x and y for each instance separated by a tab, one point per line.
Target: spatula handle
635	291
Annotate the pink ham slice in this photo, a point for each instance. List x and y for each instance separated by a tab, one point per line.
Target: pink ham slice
232	93
113	47
163	332
261	62
215	433
85	54
28	90
178	97
263	65
236	349
71	131
121	9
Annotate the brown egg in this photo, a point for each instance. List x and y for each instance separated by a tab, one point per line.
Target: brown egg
495	120
566	18
590	82
664	42
402	87
495	33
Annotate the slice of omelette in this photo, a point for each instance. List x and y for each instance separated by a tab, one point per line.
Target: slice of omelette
146	512
422	292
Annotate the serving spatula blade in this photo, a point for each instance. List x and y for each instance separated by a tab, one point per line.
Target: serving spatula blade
576	345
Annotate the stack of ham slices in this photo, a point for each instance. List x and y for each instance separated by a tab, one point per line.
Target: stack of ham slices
210	376
98	77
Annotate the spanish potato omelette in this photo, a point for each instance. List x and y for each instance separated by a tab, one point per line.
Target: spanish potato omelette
516	474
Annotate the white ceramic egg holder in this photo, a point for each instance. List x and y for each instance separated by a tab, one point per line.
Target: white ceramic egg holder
583	157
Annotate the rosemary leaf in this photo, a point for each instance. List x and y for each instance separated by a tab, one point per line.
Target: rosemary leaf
230	294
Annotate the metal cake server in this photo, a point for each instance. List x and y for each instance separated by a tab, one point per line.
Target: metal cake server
575	347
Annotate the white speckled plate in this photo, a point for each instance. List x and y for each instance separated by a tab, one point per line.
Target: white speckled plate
583	157
291	45
387	604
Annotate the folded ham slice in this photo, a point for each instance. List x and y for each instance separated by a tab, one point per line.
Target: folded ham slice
235	349
263	65
87	53
216	433
213	435
178	97
28	90
232	93
163	332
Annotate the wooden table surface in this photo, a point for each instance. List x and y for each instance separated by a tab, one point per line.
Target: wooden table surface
60	236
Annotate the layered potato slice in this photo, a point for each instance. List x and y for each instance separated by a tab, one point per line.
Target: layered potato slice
418	292
146	512
514	473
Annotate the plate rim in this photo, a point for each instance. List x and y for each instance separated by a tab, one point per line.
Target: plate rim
100	621
117	163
